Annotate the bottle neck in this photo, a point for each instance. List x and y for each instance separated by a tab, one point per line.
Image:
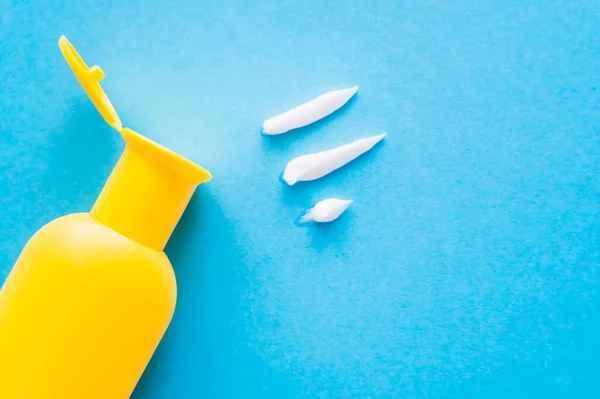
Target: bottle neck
147	192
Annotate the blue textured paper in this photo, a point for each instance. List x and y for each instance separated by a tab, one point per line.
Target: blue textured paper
467	266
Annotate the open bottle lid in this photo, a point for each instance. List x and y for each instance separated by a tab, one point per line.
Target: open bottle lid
90	80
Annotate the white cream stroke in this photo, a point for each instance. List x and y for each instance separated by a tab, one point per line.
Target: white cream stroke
309	112
314	166
326	211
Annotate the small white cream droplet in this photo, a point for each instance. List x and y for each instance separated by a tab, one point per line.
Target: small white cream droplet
326	211
309	112
314	166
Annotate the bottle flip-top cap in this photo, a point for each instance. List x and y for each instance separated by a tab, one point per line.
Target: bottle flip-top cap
89	79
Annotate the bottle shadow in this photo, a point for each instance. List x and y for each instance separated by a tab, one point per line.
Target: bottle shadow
209	331
210	325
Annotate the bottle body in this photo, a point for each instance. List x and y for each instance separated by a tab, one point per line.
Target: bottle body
91	295
82	312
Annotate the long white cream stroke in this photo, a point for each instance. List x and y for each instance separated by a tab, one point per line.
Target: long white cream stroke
326	211
314	166
309	112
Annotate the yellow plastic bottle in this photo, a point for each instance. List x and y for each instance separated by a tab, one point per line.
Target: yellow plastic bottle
91	295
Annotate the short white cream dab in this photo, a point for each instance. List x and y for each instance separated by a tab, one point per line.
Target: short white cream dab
326	211
309	112
314	166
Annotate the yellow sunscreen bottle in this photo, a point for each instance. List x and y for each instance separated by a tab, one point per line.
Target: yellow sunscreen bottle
92	294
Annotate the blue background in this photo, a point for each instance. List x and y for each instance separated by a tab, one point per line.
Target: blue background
468	264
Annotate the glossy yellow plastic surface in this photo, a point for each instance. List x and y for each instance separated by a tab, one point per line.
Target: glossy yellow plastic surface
91	295
81	313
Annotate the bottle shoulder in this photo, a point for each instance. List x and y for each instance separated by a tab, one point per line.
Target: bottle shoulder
83	231
85	240
80	249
